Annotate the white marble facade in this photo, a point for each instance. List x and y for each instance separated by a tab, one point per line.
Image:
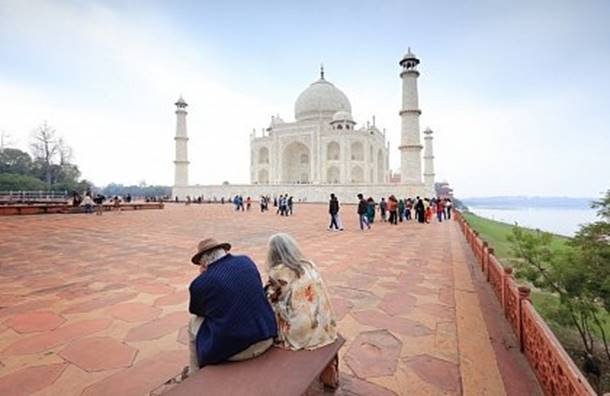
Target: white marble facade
323	150
322	146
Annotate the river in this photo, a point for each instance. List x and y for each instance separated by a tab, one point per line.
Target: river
558	220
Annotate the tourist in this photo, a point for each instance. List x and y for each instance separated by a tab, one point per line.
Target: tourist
99	204
370	210
362	207
427	210
392	209
248	203
289	203
299	297
88	204
232	318
383	206
448	207
408	207
116	203
333	211
440	209
128	198
420	210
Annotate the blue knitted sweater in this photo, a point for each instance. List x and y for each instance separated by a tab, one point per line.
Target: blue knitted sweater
230	296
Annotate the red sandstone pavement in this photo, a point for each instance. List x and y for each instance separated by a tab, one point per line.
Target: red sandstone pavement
97	305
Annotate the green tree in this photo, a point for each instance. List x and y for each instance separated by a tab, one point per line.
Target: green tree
578	274
15	161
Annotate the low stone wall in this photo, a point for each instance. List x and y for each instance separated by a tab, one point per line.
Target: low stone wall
14	210
557	373
346	193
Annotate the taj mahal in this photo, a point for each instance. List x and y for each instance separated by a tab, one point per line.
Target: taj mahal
323	150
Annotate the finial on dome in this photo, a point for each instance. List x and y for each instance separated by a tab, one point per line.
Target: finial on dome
321	71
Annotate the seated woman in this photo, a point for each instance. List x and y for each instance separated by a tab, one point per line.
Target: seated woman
305	318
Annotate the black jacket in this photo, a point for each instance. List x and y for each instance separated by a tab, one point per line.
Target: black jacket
333	206
362	206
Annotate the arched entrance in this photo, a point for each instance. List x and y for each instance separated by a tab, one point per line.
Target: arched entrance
296	163
263	176
333	175
263	155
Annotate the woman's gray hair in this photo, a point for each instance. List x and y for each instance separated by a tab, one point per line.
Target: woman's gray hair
283	249
213	255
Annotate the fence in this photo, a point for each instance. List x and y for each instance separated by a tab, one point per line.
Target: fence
555	370
33	196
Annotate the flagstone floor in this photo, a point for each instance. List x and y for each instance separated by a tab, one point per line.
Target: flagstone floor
98	305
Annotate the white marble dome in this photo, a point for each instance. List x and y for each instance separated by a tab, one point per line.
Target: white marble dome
321	98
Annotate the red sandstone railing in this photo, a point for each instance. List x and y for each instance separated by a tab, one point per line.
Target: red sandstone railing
555	370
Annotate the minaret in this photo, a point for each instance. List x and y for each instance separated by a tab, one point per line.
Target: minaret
410	147
181	177
428	163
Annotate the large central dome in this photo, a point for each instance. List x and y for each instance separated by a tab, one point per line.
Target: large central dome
320	99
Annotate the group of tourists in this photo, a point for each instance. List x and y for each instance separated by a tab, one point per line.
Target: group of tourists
236	318
284	205
392	210
238	202
90	201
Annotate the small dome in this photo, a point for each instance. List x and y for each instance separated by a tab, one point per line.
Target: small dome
342	115
320	99
409	56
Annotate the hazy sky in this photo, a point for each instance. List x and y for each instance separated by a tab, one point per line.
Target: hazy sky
518	93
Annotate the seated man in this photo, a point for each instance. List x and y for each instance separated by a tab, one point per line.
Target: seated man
233	319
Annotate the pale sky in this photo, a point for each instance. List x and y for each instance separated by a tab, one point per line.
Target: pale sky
518	93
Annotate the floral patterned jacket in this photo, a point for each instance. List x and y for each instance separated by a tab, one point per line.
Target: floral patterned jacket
302	307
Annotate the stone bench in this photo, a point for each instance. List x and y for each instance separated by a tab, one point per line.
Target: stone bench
275	372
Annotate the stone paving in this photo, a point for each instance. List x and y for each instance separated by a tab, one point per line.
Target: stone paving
97	305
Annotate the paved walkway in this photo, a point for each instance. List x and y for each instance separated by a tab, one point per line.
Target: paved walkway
96	305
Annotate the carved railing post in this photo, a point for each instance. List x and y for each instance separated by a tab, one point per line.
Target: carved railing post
491	253
524	295
485	257
506	278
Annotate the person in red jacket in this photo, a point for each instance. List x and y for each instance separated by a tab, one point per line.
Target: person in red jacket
440	209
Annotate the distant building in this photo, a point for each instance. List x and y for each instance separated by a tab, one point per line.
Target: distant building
322	150
443	190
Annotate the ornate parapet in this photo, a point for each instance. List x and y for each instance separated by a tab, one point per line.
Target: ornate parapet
555	370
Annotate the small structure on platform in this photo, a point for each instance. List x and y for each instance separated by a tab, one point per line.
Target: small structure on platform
322	150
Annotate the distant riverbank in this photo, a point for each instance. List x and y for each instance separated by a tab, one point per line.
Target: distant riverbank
562	216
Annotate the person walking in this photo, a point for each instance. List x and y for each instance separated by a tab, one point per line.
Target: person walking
248	203
333	210
440	210
448	207
370	210
99	204
392	207
362	207
289	204
408	207
401	209
420	210
383	207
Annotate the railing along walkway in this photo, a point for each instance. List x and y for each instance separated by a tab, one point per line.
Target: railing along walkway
557	373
